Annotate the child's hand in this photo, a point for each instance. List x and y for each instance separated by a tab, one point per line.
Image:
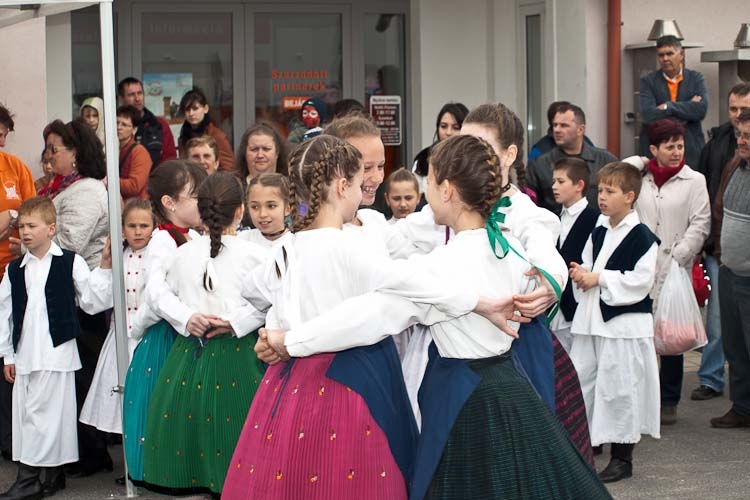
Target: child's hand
198	324
587	281
219	327
10	373
575	271
499	312
106	262
535	303
263	348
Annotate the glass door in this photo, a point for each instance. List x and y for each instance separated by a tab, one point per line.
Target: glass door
178	47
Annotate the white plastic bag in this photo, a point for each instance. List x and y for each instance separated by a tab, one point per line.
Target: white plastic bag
678	325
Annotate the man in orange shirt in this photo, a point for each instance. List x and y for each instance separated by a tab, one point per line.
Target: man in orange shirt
675	92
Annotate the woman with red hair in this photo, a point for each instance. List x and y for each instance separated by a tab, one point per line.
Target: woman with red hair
674	204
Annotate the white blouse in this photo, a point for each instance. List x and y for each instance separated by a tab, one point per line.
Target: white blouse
615	288
316	270
255	236
213	286
466	262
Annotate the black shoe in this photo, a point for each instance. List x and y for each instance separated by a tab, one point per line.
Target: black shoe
81	469
597	450
54	482
7	455
27	485
668	415
616	470
704	392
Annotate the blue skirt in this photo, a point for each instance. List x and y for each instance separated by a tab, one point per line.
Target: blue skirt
143	373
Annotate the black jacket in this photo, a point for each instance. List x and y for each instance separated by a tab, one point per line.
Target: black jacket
715	155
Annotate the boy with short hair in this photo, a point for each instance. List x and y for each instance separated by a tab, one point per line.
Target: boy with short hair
570	180
401	193
613	346
38	327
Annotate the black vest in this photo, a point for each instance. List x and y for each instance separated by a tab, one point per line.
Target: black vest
624	258
61	299
571	252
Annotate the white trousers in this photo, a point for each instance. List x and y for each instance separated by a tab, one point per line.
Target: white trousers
44	419
620	384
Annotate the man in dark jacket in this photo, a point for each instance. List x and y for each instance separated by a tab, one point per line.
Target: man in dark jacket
568	129
153	132
674	92
717	153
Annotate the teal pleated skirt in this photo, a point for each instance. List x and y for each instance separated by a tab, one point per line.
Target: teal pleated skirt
143	373
197	412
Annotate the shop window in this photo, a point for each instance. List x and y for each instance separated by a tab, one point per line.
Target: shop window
185	49
297	56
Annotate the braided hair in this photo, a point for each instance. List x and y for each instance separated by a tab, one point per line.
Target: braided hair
313	165
508	129
219	197
472	166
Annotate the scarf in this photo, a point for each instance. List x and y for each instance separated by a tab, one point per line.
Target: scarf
187	131
176	232
663	174
58	184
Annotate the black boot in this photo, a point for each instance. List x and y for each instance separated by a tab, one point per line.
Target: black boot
54	481
27	485
620	464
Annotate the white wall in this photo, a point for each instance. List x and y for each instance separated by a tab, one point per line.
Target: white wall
595	103
715	24
22	88
59	68
450	43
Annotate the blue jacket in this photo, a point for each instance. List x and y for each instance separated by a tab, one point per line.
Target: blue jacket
654	91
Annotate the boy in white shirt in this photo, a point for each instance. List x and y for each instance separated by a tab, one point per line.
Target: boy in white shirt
39	296
570	180
613	348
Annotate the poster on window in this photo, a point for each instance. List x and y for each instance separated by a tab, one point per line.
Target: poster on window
163	91
386	112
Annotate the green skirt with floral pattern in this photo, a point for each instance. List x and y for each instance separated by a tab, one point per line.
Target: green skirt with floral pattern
197	412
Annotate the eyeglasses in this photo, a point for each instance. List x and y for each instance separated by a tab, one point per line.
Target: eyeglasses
54	149
743	135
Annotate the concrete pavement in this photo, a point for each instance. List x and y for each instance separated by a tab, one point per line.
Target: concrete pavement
691	461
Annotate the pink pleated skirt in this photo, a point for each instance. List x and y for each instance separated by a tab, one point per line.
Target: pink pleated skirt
308	436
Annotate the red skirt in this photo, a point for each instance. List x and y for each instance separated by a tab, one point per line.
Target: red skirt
308	436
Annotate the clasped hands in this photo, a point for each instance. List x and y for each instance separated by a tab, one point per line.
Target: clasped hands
207	326
582	277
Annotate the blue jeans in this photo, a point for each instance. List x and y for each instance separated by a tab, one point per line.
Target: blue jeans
711	372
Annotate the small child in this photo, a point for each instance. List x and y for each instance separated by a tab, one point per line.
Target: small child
38	344
103	407
401	193
268	206
613	346
570	180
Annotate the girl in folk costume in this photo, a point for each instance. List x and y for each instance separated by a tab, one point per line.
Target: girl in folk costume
172	187
210	377
103	407
470	377
268	206
331	426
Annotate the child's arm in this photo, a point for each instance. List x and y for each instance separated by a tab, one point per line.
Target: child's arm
629	287
93	288
577	271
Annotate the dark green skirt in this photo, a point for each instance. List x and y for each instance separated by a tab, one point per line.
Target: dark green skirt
506	444
197	412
